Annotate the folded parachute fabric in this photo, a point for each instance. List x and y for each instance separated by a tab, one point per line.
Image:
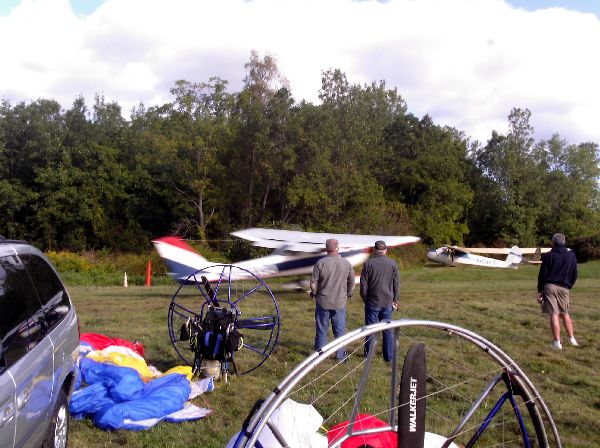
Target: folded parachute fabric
100	341
117	398
122	383
88	401
201	386
384	439
124	357
159	398
189	412
122	392
298	423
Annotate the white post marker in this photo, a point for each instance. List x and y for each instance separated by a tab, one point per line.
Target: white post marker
125	280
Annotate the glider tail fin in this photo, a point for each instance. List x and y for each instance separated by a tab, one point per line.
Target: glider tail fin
514	257
182	259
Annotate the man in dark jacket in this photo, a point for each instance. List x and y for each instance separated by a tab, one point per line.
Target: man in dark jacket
380	290
557	276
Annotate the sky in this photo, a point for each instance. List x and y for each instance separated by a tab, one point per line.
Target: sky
466	63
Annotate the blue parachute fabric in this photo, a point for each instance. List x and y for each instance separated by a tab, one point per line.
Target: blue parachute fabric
160	397
115	394
88	401
123	383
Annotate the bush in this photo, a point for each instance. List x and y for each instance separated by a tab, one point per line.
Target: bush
587	248
100	263
69	262
215	255
408	256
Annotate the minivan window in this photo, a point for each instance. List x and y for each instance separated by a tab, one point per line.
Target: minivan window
20	311
53	296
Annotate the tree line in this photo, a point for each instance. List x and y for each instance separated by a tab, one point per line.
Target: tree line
212	161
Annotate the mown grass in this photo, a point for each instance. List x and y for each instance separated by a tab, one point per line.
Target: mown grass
500	305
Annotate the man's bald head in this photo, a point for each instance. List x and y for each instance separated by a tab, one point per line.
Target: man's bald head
332	245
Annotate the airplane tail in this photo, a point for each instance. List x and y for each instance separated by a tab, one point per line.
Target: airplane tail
514	257
182	260
537	257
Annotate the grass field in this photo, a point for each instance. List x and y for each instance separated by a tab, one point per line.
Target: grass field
499	305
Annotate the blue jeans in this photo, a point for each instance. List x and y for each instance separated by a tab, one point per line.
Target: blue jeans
374	315
338	324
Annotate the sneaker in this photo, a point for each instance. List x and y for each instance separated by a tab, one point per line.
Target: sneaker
573	342
557	345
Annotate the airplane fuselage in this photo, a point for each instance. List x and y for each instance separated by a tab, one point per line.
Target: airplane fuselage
298	264
281	265
183	262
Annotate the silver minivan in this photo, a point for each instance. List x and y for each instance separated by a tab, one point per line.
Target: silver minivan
39	345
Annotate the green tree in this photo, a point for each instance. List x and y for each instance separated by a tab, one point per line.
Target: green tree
33	144
337	187
81	194
191	138
257	115
509	163
279	166
153	207
570	187
13	193
428	171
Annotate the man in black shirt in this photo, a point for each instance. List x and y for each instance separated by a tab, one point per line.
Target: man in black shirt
380	290
557	276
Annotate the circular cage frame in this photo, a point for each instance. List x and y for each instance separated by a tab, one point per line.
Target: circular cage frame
226	277
536	407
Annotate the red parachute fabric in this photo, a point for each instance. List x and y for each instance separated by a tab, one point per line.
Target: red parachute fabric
100	342
388	439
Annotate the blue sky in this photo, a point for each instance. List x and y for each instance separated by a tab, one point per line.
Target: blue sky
79	6
592	6
466	63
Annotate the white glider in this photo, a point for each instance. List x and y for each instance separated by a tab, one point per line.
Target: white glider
454	256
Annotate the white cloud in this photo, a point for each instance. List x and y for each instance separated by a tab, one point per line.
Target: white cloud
465	62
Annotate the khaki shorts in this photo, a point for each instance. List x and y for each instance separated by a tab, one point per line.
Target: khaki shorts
556	299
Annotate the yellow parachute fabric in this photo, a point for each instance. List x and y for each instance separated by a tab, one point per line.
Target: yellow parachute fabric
125	357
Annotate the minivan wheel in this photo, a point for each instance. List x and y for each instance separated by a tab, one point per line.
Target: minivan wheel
58	431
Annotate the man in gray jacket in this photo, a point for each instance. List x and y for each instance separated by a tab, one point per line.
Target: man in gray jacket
331	284
380	290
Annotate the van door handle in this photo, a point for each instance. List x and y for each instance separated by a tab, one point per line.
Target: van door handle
6	414
23	398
